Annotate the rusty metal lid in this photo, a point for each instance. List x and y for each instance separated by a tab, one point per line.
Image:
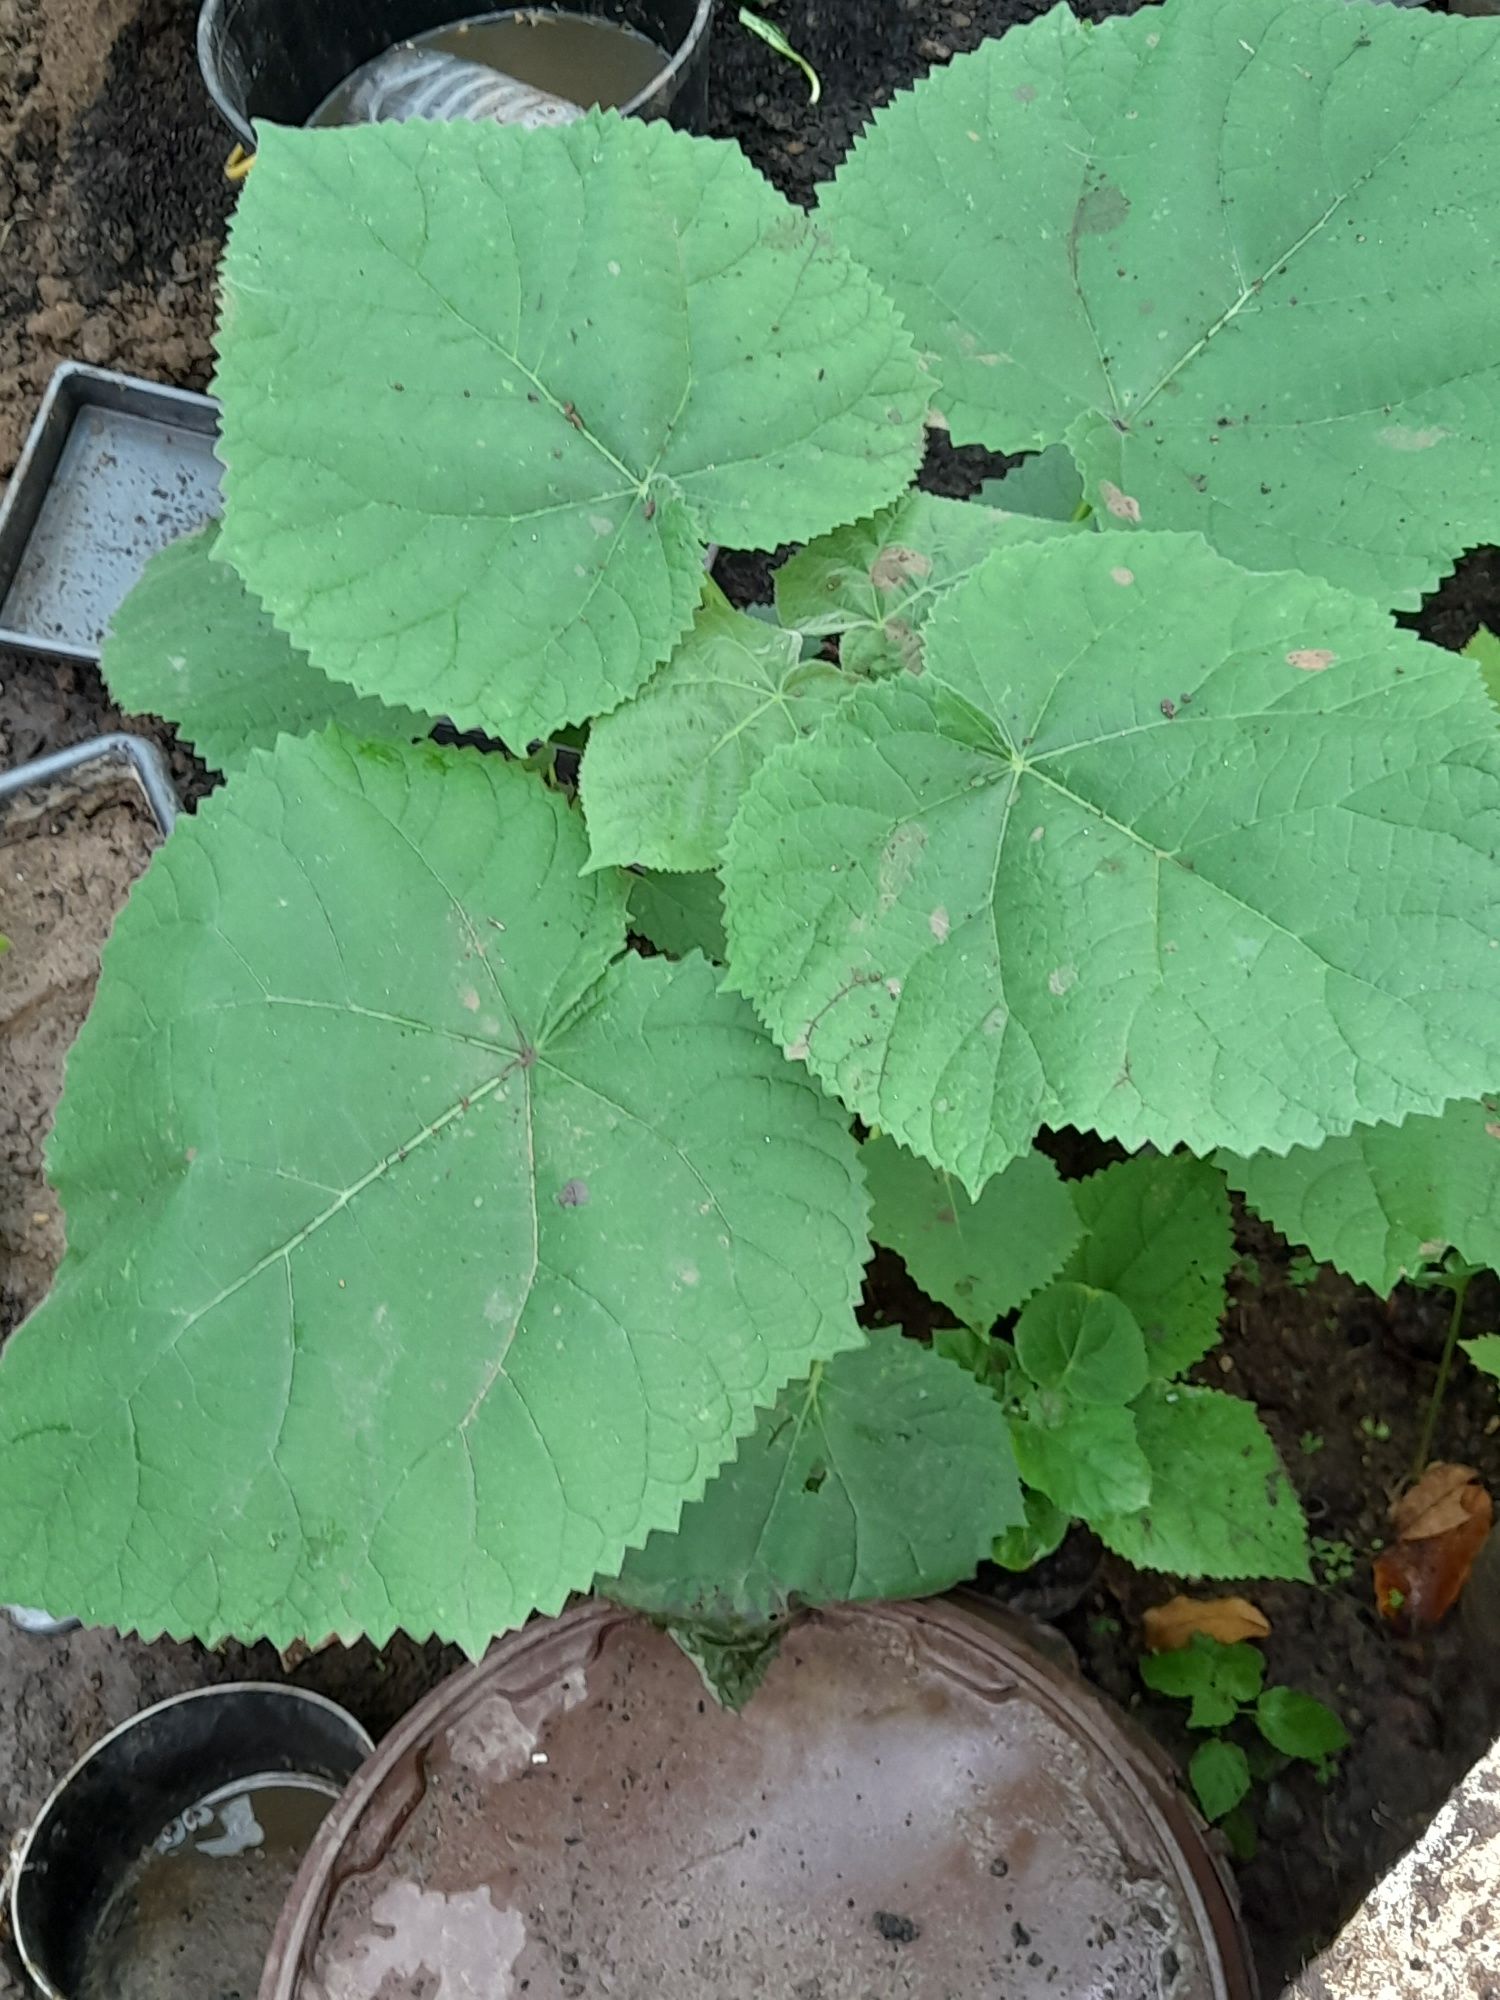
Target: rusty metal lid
917	1802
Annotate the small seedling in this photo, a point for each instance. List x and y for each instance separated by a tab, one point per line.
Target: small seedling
1302	1271
1225	1686
1310	1443
1376	1429
1333	1561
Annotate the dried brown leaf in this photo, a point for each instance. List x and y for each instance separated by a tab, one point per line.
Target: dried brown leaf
1441	1525
1166	1628
1435	1505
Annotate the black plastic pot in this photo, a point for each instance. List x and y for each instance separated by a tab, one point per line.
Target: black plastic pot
114	1804
279	59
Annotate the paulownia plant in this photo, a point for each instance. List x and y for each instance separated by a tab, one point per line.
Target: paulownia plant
433	1249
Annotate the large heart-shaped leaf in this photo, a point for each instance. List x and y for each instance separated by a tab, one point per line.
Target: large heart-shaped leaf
1159	1237
887	1474
1164	849
663	773
1227	250
487	393
424	1253
190	643
1386	1199
874	584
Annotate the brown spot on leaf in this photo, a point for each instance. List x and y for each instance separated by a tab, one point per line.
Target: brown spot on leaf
896	566
1100	209
1412	437
573	1194
1311	659
1124	506
1025	93
938	924
1119	574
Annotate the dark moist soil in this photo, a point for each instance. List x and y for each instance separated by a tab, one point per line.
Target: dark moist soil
69	852
112	210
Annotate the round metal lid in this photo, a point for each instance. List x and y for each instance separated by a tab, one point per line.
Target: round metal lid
915	1803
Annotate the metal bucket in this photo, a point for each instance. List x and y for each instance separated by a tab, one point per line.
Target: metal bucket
116	1801
279	60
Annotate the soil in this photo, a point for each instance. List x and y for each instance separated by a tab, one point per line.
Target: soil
112	209
68	855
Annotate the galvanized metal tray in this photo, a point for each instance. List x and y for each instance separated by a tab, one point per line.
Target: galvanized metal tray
114	469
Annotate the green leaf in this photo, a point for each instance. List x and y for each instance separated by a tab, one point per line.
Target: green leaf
1158	1235
874	585
1048	485
1166	240
1217	1679
425	1251
663	773
1033	1539
1484	1352
679	913
887	1474
1220	1503
1485	648
1084	1457
731	1663
1017	891
1083	1344
982	1257
1238	1829
1299	1726
1219	1776
191	644
487	393
1386	1199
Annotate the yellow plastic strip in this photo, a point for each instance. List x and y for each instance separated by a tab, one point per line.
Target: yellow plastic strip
238	164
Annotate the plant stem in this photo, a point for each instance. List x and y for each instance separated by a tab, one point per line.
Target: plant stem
1461	1280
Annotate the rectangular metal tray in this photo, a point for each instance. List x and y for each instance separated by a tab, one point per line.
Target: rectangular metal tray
114	469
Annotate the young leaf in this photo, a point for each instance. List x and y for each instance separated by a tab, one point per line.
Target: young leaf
1158	1236
1083	1344
1385	1199
1126	817
1220	1503
1484	1352
887	1474
1034	1538
1048	485
874	585
1218	373
1220	1777
982	1257
1217	1679
1084	1457
488	392
191	644
1298	1726
663	773
679	913
424	1251
1485	648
